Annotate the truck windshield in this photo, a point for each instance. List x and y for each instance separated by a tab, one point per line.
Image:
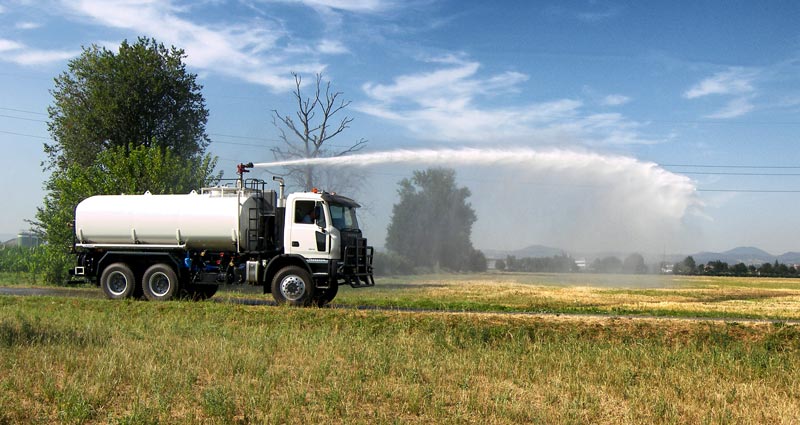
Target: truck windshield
343	218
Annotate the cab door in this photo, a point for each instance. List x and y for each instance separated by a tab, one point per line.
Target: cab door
308	235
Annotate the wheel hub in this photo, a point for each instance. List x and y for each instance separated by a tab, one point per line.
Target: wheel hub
293	287
159	283
117	283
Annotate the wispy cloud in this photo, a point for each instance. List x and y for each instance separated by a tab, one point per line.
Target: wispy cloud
348	5
596	11
452	104
732	81
735	108
27	25
735	82
253	51
256	50
20	54
615	100
332	47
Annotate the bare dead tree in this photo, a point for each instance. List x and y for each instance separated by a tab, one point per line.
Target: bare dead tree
307	135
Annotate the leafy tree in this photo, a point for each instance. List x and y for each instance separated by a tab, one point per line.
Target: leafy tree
128	122
687	266
607	265
634	263
500	265
141	95
306	135
740	269
432	222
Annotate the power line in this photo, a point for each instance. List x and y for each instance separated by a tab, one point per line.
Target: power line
26	135
21	118
737	174
24	111
749	190
731	166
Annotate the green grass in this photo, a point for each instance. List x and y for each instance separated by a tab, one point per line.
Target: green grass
98	361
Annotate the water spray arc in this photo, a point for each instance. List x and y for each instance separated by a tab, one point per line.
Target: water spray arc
637	199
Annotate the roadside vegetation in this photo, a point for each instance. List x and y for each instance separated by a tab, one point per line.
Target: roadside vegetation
98	361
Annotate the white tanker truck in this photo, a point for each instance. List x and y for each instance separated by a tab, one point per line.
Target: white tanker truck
299	248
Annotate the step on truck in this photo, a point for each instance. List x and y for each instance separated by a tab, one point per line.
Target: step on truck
300	248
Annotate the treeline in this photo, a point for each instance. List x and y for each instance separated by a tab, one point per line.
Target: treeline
720	268
555	264
393	264
633	264
35	264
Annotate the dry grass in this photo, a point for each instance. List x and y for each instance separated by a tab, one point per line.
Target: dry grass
777	299
97	361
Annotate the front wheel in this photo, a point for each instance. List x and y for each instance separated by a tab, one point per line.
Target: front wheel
160	283
293	286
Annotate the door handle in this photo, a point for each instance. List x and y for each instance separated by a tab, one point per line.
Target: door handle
295	244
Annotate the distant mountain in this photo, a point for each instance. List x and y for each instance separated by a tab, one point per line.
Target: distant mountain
744	254
528	251
789	258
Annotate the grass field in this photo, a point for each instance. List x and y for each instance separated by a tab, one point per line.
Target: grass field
97	361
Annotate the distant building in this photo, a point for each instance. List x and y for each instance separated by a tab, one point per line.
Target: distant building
581	264
24	239
667	268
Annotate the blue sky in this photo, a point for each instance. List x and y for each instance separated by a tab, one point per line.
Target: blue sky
695	83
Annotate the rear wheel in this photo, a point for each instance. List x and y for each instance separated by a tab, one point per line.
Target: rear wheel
293	286
160	283
118	281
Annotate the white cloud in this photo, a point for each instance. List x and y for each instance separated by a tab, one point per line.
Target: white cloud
348	5
735	108
27	25
736	83
615	100
249	51
332	47
18	53
6	45
446	105
732	81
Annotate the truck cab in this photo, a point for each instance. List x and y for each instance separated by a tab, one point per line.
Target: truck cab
323	228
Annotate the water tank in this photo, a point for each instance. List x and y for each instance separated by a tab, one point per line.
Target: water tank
218	219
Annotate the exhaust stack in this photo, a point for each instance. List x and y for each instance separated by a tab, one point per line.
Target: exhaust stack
281	199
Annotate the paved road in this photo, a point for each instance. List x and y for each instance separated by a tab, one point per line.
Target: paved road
75	293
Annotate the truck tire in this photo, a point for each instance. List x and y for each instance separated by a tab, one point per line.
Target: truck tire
325	296
160	283
118	281
293	286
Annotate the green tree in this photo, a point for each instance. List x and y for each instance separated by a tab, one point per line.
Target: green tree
500	265
128	122
607	265
740	269
687	266
141	95
432	222
634	263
